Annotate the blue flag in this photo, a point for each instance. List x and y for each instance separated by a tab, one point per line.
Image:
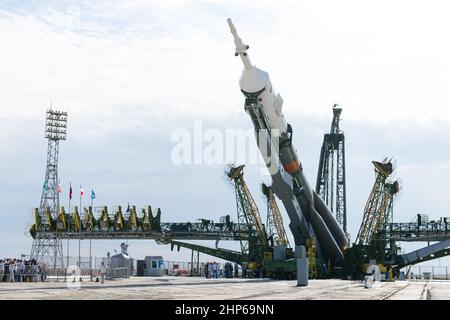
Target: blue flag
46	188
92	195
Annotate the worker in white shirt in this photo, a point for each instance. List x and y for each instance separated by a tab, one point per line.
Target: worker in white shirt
103	271
12	271
20	270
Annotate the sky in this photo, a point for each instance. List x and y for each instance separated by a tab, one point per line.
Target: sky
132	73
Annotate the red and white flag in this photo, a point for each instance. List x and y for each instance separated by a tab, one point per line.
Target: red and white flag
81	191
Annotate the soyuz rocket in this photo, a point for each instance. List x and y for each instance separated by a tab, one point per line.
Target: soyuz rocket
310	217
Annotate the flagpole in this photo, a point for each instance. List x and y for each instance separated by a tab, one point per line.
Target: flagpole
70	197
79	239
90	240
128	208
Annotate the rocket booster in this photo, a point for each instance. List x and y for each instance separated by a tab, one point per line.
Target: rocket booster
264	106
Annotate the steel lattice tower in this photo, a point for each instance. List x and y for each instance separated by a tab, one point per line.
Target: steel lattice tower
47	247
331	174
274	222
248	214
379	207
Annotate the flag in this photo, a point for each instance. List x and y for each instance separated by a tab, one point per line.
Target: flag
81	191
70	192
59	189
92	194
46	188
128	209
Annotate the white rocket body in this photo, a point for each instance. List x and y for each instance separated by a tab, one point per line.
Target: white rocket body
271	102
264	106
253	80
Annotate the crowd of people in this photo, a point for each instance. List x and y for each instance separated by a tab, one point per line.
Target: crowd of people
21	270
211	270
228	269
18	270
214	270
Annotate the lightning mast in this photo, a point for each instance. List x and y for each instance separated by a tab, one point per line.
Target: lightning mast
47	247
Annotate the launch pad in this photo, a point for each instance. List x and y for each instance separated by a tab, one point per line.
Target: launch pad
180	288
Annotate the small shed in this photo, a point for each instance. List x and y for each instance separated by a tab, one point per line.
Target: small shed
154	266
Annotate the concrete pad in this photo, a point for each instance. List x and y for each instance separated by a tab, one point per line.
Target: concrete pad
182	288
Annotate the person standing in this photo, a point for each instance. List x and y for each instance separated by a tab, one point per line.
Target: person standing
202	269
6	267
210	270
103	271
214	267
21	270
2	270
12	271
144	268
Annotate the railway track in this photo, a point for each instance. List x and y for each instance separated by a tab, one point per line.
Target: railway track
424	295
388	296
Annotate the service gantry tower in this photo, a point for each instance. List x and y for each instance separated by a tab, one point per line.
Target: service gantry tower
379	207
330	183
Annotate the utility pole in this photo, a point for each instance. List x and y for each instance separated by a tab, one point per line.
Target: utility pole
90	240
68	229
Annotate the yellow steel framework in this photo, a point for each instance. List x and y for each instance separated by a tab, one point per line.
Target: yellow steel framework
274	225
246	202
379	205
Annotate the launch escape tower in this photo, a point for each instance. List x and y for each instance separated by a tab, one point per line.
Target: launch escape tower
48	248
331	174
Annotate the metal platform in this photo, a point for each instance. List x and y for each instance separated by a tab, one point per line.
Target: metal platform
430	231
168	231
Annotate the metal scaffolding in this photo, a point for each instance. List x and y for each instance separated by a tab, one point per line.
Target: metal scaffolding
274	223
419	230
248	215
379	207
